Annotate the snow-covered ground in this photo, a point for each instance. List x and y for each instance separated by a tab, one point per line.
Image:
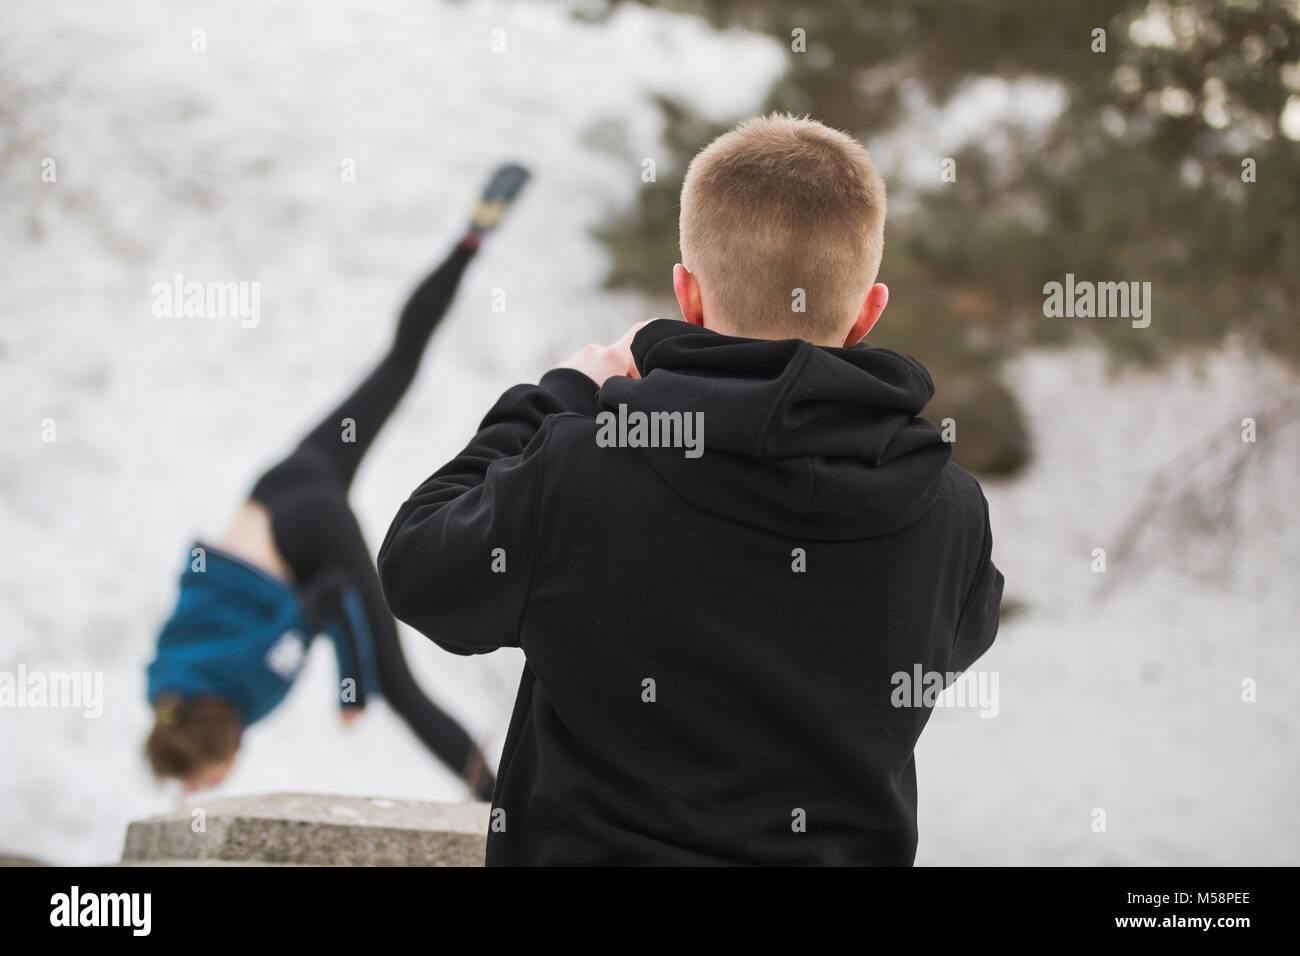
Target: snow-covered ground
226	164
1123	691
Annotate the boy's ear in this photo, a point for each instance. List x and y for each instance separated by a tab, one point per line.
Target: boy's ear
688	295
872	306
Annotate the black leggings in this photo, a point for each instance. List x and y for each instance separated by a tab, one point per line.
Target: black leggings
318	535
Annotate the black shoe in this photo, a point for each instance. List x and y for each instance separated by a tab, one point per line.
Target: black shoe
497	196
480	780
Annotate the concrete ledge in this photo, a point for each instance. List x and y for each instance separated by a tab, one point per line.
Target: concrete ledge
312	829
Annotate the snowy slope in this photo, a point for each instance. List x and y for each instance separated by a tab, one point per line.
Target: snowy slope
226	165
1122	691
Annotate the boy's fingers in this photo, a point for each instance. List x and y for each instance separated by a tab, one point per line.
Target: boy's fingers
631	333
624	348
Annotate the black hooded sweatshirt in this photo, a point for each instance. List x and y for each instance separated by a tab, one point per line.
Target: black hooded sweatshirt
711	643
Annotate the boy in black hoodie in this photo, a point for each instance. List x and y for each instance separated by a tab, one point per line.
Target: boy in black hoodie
718	542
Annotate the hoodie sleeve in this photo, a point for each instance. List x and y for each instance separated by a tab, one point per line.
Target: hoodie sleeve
978	623
458	559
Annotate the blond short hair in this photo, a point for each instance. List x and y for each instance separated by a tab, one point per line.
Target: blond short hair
780	204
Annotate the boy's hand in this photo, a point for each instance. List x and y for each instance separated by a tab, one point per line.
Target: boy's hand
599	362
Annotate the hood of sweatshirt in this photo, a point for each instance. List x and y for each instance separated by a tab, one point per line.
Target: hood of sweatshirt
799	439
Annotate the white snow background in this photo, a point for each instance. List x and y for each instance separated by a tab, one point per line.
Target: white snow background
226	165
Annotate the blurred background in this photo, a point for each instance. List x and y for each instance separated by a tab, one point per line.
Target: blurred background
207	139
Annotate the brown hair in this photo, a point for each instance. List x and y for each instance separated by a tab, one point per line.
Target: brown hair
778	204
189	735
